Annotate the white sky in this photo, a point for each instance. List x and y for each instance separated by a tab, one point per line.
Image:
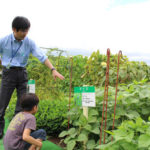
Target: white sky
83	24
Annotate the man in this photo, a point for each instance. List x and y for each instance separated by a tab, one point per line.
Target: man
15	50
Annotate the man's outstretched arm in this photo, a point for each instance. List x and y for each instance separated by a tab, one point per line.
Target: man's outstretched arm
54	72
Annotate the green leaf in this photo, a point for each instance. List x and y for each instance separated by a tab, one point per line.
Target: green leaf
64	133
130	136
144	140
96	130
144	93
134	100
92	119
73	135
139	121
88	127
148	131
131	124
120	112
145	111
132	114
90	144
109	132
71	144
123	134
149	118
71	131
67	139
82	137
93	112
82	120
109	145
128	145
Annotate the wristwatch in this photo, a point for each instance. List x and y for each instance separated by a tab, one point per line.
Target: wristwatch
53	69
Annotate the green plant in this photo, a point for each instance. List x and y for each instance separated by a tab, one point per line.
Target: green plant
84	133
131	135
133	101
51	116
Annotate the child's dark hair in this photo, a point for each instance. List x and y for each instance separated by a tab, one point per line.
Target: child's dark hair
21	23
28	101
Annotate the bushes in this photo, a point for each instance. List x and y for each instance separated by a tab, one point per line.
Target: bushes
51	116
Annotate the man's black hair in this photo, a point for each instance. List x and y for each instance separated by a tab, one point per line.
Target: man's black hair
28	101
20	23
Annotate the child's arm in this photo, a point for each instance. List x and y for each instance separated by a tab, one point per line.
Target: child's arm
26	137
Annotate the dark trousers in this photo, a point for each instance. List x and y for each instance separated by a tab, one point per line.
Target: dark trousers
12	78
39	134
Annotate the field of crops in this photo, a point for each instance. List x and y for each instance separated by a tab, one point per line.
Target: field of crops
132	126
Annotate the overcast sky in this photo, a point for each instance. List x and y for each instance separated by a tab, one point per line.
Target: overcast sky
84	24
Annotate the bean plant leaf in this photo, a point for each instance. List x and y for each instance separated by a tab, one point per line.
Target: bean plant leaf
144	140
107	146
88	127
82	137
73	135
93	112
82	120
123	134
145	111
90	144
67	139
71	144
92	119
128	145
144	93
148	131
71	131
64	133
96	130
132	114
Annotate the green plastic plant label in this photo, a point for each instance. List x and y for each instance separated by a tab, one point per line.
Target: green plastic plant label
31	86
85	96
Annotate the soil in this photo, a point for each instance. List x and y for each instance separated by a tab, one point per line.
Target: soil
57	141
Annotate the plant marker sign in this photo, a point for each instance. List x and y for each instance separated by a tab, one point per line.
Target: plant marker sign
31	86
85	96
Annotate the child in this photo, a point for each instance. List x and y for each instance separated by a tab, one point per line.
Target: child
19	135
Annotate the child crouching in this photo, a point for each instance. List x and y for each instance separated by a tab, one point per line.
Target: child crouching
21	134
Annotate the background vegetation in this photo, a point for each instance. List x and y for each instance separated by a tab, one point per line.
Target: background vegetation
133	103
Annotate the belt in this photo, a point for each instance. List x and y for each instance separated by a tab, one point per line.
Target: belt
16	67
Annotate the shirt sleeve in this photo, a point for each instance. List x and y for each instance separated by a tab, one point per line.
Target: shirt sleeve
31	124
37	52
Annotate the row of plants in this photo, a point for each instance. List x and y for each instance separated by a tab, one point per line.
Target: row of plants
85	71
131	124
